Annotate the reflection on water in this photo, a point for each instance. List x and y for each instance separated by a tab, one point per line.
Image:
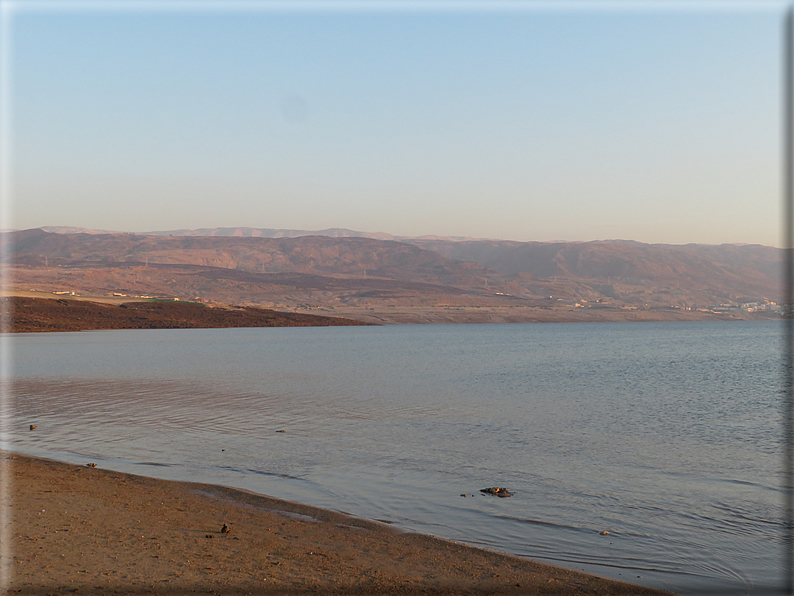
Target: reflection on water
665	435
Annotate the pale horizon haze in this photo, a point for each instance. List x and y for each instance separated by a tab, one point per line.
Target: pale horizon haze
654	122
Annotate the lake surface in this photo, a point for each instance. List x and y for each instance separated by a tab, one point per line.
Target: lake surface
666	435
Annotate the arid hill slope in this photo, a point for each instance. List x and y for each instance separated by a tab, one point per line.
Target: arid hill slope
727	269
37	314
313	255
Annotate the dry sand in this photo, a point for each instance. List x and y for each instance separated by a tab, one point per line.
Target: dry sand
84	530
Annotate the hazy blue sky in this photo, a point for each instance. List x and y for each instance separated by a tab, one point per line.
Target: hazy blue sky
529	122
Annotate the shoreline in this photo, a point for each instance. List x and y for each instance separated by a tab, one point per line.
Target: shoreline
31	315
90	530
40	311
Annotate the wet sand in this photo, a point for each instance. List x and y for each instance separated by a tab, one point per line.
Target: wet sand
68	529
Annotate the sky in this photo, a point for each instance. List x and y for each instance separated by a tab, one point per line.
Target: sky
578	121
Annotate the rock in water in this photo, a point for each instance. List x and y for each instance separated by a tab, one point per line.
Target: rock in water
496	490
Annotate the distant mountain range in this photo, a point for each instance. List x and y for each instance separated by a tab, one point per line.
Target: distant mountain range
344	267
259	233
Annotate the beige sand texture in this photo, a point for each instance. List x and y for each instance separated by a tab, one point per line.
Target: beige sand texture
81	530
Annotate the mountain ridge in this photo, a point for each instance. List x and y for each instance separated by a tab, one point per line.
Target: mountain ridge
249	232
321	272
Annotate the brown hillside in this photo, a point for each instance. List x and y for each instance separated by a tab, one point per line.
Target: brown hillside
317	255
336	275
711	272
36	314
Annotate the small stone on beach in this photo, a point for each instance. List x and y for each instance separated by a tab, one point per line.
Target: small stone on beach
225	529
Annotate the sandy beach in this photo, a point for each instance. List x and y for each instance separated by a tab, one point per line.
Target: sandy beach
85	530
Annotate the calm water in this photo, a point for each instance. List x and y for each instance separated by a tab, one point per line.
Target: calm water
665	435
